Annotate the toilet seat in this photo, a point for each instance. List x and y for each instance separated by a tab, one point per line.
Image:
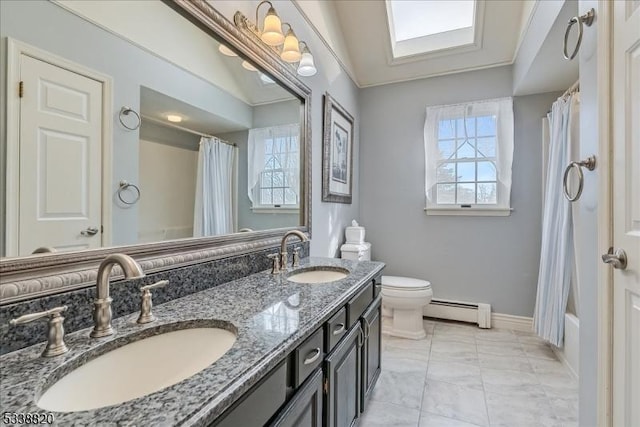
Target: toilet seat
404	284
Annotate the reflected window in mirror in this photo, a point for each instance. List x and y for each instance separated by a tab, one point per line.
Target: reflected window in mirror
274	168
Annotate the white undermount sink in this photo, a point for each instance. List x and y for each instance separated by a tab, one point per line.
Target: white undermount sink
137	369
319	275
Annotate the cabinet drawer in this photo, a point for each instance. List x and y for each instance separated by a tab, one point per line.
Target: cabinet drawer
308	356
358	304
260	403
335	328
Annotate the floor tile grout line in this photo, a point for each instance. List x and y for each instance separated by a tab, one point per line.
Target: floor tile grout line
484	392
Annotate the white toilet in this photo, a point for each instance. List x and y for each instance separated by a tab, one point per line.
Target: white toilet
403	300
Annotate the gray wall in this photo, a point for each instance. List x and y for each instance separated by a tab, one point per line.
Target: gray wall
477	259
52	28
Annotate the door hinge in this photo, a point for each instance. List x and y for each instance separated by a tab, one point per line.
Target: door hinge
325	386
21	89
101	229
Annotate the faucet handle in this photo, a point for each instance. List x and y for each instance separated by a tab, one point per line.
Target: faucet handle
275	258
296	257
158	284
146	316
55	342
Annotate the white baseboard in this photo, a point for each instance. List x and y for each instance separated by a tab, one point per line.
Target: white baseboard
498	320
509	321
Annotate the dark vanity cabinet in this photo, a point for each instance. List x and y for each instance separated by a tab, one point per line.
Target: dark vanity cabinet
327	379
342	380
371	322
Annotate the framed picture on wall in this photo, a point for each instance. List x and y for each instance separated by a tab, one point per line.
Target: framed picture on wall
337	158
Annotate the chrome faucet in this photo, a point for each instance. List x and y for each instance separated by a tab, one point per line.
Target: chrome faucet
284	256
102	303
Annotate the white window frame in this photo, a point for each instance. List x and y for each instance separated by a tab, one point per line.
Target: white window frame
259	161
502	109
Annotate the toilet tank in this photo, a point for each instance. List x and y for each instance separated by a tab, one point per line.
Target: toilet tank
357	252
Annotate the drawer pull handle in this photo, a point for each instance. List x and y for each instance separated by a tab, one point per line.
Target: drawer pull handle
310	360
338	329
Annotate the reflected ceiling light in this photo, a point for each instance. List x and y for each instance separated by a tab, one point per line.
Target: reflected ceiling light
247	66
174	118
226	51
306	68
272	27
291	48
266	79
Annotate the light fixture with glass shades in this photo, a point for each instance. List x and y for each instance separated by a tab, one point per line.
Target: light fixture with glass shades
174	118
291	49
271	32
307	67
285	44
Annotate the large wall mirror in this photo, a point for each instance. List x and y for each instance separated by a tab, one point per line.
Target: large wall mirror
145	127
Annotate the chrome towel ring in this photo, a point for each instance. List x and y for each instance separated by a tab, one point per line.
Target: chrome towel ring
125	185
125	111
589	163
587	19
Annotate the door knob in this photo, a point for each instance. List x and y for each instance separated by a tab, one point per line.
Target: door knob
90	231
617	258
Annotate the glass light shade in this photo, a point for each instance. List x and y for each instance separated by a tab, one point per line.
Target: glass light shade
226	51
307	68
272	29
174	118
248	66
291	48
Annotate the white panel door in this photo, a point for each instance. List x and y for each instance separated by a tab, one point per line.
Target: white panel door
60	158
626	212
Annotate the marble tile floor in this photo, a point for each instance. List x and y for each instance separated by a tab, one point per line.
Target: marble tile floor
463	376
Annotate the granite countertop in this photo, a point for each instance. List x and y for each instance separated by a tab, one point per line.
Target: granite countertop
271	315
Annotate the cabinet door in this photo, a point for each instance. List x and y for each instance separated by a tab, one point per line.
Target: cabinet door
371	350
342	401
305	407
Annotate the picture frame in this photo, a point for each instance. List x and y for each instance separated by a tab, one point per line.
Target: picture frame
337	153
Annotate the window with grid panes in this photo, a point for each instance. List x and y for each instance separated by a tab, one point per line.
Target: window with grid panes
281	160
469	153
466	171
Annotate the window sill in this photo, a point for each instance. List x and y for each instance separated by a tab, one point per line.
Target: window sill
469	211
272	210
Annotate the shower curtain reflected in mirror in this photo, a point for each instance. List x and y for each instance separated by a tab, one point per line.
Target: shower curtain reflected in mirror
557	250
215	182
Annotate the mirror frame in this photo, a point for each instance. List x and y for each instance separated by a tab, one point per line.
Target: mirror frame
24	278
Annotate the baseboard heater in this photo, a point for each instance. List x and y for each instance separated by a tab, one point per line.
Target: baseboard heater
478	313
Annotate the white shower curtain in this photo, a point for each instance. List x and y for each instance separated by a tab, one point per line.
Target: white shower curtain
213	213
557	251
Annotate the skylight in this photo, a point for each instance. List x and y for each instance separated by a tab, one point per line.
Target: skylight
421	26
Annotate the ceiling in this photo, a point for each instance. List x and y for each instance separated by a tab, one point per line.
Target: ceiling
365	30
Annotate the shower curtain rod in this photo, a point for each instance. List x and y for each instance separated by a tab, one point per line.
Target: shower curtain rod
184	129
572	89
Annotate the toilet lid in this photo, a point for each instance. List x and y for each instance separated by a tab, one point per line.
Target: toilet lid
405	283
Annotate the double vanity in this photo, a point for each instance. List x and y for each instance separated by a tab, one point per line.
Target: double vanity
299	347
